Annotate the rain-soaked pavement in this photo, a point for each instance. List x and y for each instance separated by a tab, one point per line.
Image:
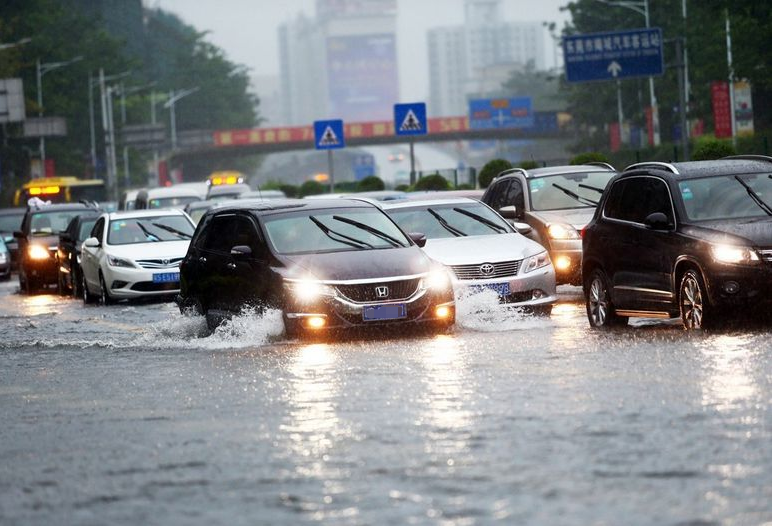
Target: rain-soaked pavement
130	414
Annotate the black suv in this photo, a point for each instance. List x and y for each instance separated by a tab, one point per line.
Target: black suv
556	203
38	242
327	264
689	239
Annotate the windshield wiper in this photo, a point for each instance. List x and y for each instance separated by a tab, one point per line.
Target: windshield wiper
346	240
367	228
749	190
444	223
492	225
579	199
589	187
148	233
172	230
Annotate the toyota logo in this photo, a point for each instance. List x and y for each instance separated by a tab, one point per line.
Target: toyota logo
486	269
382	292
165	261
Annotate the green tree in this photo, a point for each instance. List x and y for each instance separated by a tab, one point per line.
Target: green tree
370	184
491	169
711	148
589	157
311	187
432	182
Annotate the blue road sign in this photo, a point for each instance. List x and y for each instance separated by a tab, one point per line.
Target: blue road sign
411	119
613	55
329	135
501	113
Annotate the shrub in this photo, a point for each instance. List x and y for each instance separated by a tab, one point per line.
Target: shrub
290	190
528	165
491	169
370	184
311	188
709	148
403	187
432	182
465	186
589	157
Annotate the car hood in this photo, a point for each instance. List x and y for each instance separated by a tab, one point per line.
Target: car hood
578	218
158	250
358	264
753	232
481	249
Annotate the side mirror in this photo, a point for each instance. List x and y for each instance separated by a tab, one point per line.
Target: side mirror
241	252
18	234
508	212
418	238
657	221
91	242
522	228
64	236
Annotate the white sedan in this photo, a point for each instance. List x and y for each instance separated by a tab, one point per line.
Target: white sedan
481	250
135	253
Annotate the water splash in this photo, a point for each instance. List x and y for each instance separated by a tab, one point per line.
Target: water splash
481	311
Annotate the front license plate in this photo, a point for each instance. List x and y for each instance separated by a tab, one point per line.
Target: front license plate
503	289
393	311
166	277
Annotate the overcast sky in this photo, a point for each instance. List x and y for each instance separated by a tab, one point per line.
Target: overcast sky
247	29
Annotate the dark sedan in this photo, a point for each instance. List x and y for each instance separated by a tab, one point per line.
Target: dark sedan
327	264
688	239
68	255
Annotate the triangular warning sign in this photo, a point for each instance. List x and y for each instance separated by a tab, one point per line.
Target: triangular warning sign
410	122
329	138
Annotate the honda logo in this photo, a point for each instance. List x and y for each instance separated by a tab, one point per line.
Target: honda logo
382	292
486	269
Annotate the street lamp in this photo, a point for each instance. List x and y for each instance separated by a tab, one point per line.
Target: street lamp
643	8
14	44
123	91
92	132
42	69
174	96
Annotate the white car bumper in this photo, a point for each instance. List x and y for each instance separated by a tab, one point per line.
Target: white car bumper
537	287
124	282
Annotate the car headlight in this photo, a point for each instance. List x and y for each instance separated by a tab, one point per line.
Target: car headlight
560	231
307	291
734	254
119	262
38	252
437	280
534	262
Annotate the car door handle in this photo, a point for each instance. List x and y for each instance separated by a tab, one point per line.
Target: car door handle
230	266
202	259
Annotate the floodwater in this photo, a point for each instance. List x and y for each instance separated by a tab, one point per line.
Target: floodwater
132	414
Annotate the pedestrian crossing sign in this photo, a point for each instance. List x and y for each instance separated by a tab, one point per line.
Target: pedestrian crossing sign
411	119
329	135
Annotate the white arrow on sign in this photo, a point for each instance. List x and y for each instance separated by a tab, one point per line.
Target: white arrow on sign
614	68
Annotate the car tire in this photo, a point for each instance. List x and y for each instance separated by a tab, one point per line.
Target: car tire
87	296
598	304
104	293
693	302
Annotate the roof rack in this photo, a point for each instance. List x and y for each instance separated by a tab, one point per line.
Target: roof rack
653	164
749	157
511	170
599	163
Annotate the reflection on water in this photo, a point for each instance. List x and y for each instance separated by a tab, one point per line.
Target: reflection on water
39	304
728	381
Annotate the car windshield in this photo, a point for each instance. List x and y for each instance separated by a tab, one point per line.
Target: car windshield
11	222
333	231
724	197
149	230
172	202
50	223
575	190
86	226
450	220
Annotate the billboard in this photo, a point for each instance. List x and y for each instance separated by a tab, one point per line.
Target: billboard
362	76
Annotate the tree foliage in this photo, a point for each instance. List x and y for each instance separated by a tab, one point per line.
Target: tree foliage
370	184
311	187
589	157
711	148
432	182
491	169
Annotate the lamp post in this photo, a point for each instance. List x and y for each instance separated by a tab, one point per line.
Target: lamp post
174	96
123	91
42	69
643	8
15	44
92	131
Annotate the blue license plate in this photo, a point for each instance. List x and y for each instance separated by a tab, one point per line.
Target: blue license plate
393	311
166	277
503	289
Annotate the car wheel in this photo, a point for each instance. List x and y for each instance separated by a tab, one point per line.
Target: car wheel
598	305
87	296
104	294
693	305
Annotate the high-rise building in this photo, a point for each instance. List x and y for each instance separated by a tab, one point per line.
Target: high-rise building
476	58
340	64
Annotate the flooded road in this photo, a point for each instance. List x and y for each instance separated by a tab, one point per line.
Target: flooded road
131	414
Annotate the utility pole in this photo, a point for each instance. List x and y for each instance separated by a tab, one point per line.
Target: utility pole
40	70
730	74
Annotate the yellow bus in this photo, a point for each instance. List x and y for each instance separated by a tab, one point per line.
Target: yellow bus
61	190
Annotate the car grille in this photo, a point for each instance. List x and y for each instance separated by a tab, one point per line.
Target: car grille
159	263
766	255
367	292
499	270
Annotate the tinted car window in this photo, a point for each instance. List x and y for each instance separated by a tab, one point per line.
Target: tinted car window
229	231
10	222
167	202
724	197
332	231
149	230
443	221
634	198
546	192
99	229
86	226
